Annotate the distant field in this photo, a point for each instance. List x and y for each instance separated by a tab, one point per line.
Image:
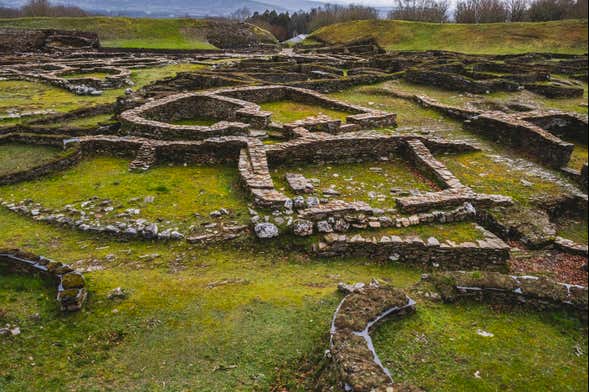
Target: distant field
135	33
568	36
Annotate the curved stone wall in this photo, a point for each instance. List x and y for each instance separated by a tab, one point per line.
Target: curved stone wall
71	285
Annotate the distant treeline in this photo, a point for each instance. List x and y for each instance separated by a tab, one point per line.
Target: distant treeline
41	8
285	25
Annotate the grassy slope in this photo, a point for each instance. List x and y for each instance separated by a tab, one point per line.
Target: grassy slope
569	36
131	33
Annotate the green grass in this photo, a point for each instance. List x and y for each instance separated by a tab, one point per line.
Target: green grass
356	182
579	156
567	36
96	75
438	349
175	333
179	192
573	228
91	121
145	33
18	157
285	112
411	117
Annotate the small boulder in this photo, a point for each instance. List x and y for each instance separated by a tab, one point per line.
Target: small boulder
302	227
266	230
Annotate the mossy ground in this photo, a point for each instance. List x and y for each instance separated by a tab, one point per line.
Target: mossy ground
573	228
438	349
412	118
85	122
285	112
18	157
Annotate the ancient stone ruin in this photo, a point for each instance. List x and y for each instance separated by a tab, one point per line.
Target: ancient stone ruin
218	115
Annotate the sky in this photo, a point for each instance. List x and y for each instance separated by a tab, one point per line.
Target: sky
376	3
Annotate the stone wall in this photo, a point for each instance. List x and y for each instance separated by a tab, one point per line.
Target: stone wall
539	292
71	286
358	367
240	106
523	135
489	253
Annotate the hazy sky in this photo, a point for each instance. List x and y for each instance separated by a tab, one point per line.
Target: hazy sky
382	3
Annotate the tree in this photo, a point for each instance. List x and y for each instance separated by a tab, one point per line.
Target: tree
517	10
544	10
241	14
331	14
37	8
421	10
481	11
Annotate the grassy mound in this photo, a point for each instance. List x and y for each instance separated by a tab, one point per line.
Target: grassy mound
567	36
152	33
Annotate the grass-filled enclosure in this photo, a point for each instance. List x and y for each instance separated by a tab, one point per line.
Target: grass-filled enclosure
376	183
290	111
178	192
18	157
97	75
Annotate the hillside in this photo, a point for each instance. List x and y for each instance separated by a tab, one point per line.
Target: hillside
155	33
569	36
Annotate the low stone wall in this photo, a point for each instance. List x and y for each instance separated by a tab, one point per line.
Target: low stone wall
240	106
450	197
566	125
136	121
255	176
71	286
523	135
357	364
539	292
536	132
455	81
571	247
554	90
490	253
